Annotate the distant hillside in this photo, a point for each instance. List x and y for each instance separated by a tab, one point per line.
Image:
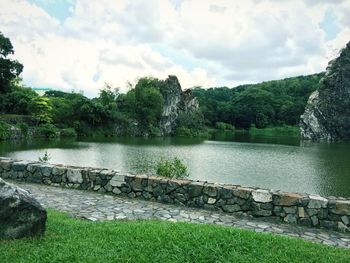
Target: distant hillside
270	103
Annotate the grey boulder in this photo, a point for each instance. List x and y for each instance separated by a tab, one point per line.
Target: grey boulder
20	214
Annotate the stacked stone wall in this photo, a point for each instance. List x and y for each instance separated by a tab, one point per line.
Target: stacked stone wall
295	208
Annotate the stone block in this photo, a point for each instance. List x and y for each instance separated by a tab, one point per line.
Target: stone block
225	192
231	208
301	212
195	189
210	190
58	170
19	166
316	201
312	211
305	222
290	209
287	199
242	192
314	220
46	169
262	212
328	224
74	176
116	191
136	185
117	180
6	164
211	201
262	196
345	220
290	218
342	207
341	227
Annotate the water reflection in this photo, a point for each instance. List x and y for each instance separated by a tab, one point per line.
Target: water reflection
277	163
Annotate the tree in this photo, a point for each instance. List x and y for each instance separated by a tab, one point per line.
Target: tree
42	109
9	69
149	102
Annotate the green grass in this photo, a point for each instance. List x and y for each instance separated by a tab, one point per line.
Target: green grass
73	240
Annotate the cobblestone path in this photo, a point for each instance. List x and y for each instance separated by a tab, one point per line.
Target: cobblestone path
95	206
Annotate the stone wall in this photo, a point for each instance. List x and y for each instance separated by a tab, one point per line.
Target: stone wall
295	208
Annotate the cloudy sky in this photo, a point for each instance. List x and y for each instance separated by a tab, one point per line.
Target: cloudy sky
80	45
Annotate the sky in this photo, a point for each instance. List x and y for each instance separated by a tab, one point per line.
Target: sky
81	45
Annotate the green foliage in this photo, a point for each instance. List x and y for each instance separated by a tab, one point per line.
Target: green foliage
4	131
191	133
191	120
70	239
224	126
276	131
45	158
24	128
155	131
42	109
48	130
18	100
171	168
183	132
9	69
271	103
148	102
68	132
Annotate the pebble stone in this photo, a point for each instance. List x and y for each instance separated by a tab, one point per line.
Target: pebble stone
100	207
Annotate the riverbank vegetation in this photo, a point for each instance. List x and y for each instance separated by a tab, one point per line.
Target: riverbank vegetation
264	108
174	168
267	104
73	240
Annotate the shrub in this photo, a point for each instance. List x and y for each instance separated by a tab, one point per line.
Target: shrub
224	126
155	132
45	158
183	132
69	132
48	130
172	168
4	131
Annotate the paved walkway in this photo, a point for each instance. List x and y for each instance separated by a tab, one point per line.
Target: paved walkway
95	206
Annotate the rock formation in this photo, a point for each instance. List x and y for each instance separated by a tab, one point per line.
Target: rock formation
176	102
20	214
327	113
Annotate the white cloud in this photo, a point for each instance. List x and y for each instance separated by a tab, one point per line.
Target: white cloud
230	42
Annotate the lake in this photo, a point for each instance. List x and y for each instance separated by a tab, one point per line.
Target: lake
279	163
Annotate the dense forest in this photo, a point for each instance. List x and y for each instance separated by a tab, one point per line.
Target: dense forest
271	103
267	104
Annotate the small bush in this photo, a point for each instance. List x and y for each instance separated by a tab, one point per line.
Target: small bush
4	131
183	132
45	158
49	131
224	126
155	132
69	132
172	168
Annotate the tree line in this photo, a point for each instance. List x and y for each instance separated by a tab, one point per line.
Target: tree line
271	103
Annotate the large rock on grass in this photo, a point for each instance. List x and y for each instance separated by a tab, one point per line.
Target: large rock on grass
327	114
20	214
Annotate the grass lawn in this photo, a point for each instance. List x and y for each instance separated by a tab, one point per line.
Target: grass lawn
73	240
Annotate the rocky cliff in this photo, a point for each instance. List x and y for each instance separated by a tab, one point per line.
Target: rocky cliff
176	102
327	113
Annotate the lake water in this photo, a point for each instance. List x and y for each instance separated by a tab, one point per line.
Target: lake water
279	163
